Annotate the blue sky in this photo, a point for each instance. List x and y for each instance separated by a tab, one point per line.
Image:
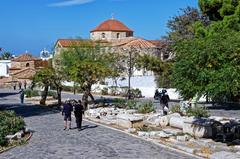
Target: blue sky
36	24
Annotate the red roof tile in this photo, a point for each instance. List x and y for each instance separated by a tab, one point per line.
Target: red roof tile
24	57
112	25
135	43
158	43
77	42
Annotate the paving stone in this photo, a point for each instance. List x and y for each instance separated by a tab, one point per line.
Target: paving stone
50	141
225	155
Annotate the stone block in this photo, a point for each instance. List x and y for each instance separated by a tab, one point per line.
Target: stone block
19	134
164	121
197	127
162	134
172	131
131	130
129	121
183	138
143	134
11	137
176	122
131	111
224	155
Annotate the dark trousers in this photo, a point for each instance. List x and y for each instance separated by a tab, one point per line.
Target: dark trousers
22	100
79	121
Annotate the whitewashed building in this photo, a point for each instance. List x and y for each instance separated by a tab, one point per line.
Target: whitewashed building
119	38
4	68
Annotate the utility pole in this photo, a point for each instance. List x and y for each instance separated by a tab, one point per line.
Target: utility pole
129	75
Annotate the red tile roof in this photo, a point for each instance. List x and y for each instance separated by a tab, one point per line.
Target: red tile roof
158	43
112	25
24	57
26	73
77	42
137	43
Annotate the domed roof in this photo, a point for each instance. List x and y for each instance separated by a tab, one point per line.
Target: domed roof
24	57
112	25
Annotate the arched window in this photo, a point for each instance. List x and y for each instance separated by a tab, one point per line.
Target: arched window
103	35
118	35
27	65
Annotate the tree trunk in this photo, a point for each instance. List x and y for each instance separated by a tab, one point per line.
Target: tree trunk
59	95
74	88
86	93
85	99
129	75
44	95
91	96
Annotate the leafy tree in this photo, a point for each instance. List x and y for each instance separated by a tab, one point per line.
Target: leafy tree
162	70
6	55
182	26
44	79
209	66
224	14
86	64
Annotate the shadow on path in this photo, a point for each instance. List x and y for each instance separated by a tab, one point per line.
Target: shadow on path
89	127
5	94
86	127
29	110
225	106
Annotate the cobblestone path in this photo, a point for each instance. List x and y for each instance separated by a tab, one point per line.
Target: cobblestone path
50	141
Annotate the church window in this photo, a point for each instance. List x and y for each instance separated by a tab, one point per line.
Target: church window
103	35
118	35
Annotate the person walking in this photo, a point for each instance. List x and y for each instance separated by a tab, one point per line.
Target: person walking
78	112
67	112
20	85
14	86
164	102
25	84
21	93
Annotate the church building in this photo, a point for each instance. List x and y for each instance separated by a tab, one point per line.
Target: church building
109	30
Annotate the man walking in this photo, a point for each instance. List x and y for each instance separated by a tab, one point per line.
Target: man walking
25	84
164	101
78	112
20	85
21	93
66	112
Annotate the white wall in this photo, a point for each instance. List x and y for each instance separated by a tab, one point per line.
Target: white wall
4	67
109	35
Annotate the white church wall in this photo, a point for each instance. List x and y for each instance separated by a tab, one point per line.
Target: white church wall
109	35
4	67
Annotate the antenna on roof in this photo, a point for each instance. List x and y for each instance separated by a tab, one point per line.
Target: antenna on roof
112	16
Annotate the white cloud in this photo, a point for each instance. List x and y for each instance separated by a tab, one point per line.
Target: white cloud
70	3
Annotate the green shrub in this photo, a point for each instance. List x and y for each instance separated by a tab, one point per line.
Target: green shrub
131	104
136	93
104	91
120	103
52	94
67	88
31	93
145	128
113	90
146	107
9	125
176	109
197	112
